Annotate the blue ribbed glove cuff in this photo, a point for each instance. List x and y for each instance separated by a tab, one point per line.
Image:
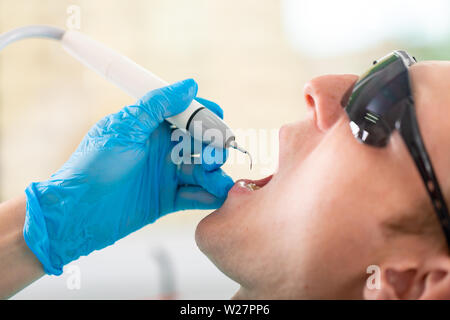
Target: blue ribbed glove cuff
35	232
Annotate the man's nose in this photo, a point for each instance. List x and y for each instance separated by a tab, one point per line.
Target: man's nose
323	96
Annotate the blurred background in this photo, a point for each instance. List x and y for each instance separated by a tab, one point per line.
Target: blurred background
251	57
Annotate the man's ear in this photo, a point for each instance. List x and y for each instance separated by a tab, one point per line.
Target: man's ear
400	280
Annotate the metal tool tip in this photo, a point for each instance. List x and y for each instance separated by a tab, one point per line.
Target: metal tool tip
233	144
251	160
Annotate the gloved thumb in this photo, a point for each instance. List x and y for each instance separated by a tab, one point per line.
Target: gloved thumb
166	102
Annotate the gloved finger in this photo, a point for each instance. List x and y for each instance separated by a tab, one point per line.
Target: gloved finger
216	182
187	150
214	107
163	103
213	158
184	146
195	197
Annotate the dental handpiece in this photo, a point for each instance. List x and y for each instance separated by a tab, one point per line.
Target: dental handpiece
132	78
137	81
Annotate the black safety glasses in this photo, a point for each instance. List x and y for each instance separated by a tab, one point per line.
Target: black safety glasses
380	102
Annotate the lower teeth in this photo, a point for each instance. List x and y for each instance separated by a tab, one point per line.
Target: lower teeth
252	186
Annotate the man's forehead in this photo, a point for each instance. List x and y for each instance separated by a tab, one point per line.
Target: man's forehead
430	81
433	73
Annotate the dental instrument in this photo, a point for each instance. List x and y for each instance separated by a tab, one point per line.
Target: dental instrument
130	77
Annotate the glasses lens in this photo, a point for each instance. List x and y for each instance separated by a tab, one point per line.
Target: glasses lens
375	103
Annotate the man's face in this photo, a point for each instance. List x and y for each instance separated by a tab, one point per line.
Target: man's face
312	230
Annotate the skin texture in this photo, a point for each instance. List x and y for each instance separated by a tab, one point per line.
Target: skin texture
336	206
19	266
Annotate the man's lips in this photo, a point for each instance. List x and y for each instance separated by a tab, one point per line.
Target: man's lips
248	186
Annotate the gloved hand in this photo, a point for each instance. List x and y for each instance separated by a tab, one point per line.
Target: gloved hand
119	179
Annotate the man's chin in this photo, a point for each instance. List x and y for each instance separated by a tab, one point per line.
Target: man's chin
204	232
213	235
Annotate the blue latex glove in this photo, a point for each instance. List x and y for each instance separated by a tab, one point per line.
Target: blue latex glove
119	179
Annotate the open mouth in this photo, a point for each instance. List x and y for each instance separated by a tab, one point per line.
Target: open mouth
246	185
